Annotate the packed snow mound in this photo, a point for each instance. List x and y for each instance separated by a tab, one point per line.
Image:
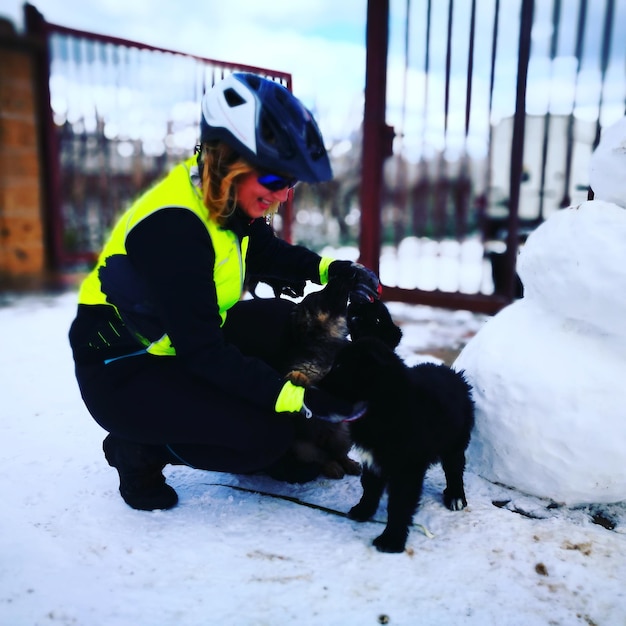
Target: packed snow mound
548	419
548	370
608	164
573	266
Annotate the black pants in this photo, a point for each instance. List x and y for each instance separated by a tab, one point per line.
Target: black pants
153	400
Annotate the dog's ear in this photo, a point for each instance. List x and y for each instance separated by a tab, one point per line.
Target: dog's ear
394	336
372	319
333	299
389	332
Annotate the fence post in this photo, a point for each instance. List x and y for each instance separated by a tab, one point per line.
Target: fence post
517	149
377	136
51	176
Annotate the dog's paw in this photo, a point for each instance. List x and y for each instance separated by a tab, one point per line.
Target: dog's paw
360	513
390	542
298	378
454	503
333	469
351	467
338	468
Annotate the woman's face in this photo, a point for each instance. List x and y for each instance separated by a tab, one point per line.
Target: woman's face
254	199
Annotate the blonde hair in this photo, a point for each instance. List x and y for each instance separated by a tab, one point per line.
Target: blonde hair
221	168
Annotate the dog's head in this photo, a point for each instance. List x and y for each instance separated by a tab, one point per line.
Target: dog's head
361	369
372	319
323	313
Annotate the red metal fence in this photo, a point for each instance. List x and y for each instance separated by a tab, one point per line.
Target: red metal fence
496	107
473	132
117	115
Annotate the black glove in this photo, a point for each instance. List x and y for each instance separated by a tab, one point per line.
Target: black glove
323	406
364	284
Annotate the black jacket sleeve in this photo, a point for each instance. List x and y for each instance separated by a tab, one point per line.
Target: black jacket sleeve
272	257
172	252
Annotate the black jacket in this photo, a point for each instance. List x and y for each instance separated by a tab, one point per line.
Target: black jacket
172	286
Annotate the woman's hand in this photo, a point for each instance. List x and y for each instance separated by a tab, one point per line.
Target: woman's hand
364	284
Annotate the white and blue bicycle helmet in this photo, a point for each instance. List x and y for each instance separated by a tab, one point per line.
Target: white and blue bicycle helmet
267	125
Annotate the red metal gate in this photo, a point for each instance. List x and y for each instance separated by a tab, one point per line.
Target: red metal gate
419	200
422	203
111	128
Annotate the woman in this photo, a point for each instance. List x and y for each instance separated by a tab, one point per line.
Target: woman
169	359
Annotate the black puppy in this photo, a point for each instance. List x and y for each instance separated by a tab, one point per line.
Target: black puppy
320	324
416	416
319	329
372	319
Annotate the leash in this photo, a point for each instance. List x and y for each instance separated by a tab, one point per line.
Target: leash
361	410
310	505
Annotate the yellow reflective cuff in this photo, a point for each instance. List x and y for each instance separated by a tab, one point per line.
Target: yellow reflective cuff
324	265
290	399
161	347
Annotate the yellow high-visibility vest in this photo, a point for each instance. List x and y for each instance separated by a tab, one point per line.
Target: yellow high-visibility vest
175	191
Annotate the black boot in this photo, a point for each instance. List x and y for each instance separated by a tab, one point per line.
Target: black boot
140	466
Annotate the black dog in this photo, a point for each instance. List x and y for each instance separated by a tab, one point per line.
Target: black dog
372	319
320	324
319	329
416	416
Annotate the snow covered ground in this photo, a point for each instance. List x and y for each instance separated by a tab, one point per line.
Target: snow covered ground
72	553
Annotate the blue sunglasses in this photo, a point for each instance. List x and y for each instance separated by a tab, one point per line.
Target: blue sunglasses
274	182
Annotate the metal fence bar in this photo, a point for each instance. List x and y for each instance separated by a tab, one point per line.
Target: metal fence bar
556	15
578	53
607	33
376	138
517	148
226	67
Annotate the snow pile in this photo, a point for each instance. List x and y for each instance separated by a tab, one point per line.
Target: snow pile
74	554
548	370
